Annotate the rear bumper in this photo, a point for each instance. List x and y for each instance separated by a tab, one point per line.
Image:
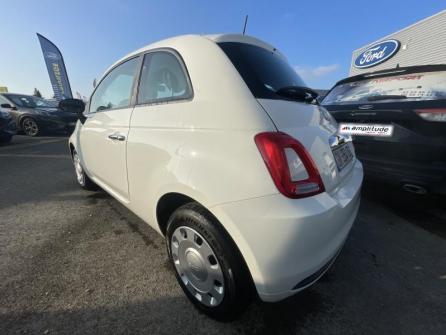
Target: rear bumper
431	176
288	244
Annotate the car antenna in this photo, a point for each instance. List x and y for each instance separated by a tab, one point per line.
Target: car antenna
244	26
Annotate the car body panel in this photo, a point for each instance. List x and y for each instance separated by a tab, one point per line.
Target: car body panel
292	239
7	125
169	139
105	159
306	123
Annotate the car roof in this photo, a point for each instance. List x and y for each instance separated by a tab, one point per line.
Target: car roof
393	72
217	38
21	94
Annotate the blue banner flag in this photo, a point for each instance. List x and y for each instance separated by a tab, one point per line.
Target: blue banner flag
56	69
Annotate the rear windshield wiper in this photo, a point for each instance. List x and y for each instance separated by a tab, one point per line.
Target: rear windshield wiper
298	93
386	97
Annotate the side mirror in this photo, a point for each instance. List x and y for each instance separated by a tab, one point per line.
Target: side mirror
7	106
74	106
311	95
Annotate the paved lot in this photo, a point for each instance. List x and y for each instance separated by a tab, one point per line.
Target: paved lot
78	262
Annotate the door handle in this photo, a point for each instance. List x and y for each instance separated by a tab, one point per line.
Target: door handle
116	137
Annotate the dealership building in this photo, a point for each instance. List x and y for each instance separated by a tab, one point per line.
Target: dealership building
422	43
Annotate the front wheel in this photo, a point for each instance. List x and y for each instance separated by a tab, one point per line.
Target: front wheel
30	127
82	179
208	266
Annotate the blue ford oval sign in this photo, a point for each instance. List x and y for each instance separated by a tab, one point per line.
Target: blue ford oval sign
377	54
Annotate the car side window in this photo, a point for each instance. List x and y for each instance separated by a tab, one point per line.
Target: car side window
162	79
115	90
3	100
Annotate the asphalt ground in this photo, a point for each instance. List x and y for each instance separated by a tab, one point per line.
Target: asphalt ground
78	262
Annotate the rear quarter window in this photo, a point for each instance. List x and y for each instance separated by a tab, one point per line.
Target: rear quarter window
162	79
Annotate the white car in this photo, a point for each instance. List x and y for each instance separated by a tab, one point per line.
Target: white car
217	144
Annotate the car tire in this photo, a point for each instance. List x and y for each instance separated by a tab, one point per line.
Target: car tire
30	126
82	179
207	263
5	139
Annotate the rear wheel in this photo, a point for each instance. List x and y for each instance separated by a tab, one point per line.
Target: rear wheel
83	180
208	266
30	127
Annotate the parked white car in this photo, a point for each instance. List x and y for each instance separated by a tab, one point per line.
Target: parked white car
217	144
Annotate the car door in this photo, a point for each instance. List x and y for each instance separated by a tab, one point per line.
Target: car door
103	136
11	110
158	127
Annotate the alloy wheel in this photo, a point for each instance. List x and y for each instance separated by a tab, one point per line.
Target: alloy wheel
30	127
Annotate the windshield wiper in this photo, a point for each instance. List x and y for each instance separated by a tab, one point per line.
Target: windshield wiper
386	97
298	93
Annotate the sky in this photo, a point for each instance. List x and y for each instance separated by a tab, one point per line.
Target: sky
318	37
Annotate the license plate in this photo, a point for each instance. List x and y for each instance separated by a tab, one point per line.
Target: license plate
342	155
366	129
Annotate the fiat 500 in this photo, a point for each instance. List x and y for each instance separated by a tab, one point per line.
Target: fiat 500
218	144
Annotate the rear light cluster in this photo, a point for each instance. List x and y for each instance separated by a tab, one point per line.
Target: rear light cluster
291	167
432	114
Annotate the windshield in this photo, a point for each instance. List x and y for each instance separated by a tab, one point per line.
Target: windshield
264	71
29	101
410	87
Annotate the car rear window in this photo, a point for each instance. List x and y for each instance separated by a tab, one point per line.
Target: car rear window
264	71
412	87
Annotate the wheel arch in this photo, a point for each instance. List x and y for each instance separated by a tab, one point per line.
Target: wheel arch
21	118
171	201
71	146
167	204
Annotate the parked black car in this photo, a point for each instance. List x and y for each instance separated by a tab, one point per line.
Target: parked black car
36	115
410	101
7	127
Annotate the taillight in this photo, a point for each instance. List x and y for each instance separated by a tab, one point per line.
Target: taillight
291	167
432	114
